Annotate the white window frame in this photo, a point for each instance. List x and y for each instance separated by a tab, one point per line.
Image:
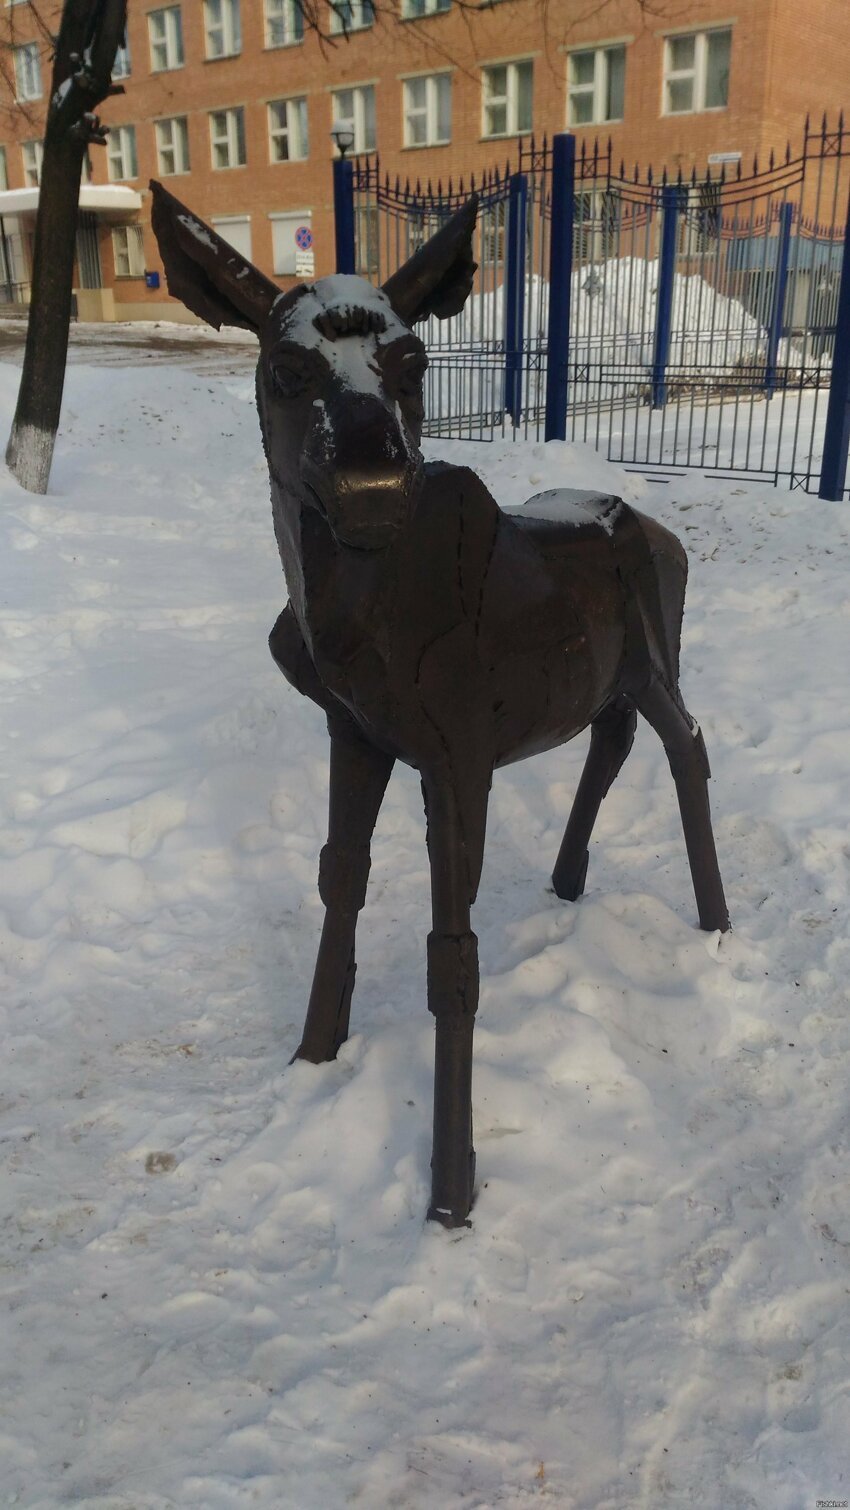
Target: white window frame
598	88
170	41
698	73
121	153
350	15
358	120
172	137
222	28
229	137
294	131
430	110
283	23
121	63
368	240
416	10
32	156
28	84
223	226
128	250
511	97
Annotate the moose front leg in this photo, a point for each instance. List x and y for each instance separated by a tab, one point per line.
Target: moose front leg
358	778
455	858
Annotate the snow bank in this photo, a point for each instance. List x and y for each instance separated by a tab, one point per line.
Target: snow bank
219	1290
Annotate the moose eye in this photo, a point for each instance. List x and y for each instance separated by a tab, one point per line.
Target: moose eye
289	378
412	374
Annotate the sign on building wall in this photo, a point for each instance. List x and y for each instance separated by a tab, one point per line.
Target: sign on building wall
292	243
305	257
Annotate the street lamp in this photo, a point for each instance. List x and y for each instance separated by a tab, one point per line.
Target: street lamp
344	138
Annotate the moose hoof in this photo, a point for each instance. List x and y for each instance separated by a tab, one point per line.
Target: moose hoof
316	1054
447	1218
455	1212
569	886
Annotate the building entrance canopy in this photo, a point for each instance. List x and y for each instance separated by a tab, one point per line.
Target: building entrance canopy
108	201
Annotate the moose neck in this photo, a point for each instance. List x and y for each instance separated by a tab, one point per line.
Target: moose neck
333	588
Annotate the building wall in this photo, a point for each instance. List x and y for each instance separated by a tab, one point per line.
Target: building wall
786	59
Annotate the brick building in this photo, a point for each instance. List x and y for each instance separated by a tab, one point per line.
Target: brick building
232	102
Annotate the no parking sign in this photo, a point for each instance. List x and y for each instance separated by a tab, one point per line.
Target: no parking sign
305	257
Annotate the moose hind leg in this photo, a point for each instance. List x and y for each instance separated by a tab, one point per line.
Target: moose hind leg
611	735
688	760
358	778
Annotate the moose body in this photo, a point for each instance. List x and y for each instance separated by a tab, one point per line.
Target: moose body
435	628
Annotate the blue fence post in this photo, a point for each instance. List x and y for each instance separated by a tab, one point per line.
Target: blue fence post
780	283
836	439
344	214
560	285
515	293
670	200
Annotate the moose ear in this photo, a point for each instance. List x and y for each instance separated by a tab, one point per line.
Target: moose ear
205	272
437	280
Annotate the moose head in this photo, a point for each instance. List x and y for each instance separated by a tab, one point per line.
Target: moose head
340	372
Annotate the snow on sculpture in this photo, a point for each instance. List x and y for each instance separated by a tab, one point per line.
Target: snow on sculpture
435	628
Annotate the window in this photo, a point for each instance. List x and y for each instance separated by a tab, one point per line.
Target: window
128	251
288	140
121	153
121	65
412	9
351	15
507	89
596	225
284	23
165	30
596	82
493	223
355	108
696	71
286	252
227	137
32	154
27	71
236	231
367	240
223	28
427	110
172	145
4	176
701	222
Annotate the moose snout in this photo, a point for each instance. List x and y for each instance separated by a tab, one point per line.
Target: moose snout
359	464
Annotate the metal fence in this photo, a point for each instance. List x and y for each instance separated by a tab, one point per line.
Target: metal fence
486	364
670	323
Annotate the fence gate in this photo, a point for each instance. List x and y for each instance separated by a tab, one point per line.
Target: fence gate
487	365
668	323
704	312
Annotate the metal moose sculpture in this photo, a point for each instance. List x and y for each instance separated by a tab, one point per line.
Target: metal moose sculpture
435	628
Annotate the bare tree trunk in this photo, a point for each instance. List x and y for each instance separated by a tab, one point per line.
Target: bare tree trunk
30	450
89	35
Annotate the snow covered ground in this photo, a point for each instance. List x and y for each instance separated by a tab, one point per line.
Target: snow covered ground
218	1288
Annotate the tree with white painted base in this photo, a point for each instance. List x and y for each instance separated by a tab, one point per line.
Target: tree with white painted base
90	33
